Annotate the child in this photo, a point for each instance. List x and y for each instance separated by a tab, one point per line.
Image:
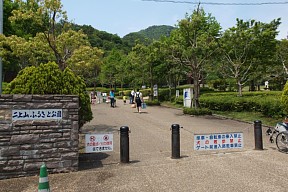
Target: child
124	99
94	98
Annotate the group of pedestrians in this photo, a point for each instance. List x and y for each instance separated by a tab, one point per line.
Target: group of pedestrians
135	98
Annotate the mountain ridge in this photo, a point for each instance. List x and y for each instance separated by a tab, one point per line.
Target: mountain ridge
146	36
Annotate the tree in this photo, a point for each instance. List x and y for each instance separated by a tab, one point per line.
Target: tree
43	15
110	68
29	18
51	42
8	7
282	53
277	71
37	50
194	44
49	79
28	52
86	62
173	70
284	98
246	48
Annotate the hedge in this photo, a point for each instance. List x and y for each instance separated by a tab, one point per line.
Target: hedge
268	103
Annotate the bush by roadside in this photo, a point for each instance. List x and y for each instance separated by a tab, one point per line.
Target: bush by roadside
197	112
268	103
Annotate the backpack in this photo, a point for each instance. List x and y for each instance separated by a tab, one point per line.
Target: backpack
138	96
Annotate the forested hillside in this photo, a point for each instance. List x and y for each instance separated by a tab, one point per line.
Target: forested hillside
146	36
102	39
156	32
107	41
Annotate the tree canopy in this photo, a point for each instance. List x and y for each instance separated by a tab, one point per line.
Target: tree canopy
38	31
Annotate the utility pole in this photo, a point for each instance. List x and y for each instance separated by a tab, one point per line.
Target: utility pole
1	32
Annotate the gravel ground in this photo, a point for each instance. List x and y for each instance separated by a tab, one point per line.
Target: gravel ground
151	167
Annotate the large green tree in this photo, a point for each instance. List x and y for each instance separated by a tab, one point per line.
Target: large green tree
246	48
112	68
173	71
86	62
194	44
282	53
8	7
50	40
42	16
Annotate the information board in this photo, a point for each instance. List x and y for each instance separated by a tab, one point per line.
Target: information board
98	143
217	141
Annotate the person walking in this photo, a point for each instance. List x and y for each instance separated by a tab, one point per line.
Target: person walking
132	94
138	100
124	99
112	98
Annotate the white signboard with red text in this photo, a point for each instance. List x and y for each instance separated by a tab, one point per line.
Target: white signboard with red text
217	141
98	143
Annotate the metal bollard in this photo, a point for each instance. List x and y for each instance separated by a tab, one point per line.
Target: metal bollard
124	144
258	135
175	141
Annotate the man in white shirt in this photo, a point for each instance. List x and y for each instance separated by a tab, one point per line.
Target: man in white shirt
132	96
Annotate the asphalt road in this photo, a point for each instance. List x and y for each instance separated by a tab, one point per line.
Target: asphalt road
151	167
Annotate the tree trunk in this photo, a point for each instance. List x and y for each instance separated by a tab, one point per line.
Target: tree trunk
252	86
151	94
239	88
196	90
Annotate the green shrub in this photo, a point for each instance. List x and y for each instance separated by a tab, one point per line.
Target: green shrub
179	100
163	94
151	103
4	84
197	112
268	103
49	79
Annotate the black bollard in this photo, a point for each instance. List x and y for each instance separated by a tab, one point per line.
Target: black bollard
258	135
175	141
124	144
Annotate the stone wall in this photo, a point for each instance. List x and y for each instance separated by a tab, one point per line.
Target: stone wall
32	134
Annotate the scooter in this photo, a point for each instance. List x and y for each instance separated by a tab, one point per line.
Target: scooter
273	132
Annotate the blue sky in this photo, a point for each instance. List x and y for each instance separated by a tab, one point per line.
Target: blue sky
125	16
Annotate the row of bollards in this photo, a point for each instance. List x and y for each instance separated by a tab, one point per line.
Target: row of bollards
175	138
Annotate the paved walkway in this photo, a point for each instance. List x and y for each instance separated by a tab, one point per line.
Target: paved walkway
151	167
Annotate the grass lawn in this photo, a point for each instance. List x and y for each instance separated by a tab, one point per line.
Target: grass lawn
243	116
249	117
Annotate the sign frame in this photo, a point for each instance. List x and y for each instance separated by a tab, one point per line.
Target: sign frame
100	142
218	141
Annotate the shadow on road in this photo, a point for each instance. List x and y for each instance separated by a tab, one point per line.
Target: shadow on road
91	160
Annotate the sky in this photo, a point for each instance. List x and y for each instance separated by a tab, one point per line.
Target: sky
122	17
